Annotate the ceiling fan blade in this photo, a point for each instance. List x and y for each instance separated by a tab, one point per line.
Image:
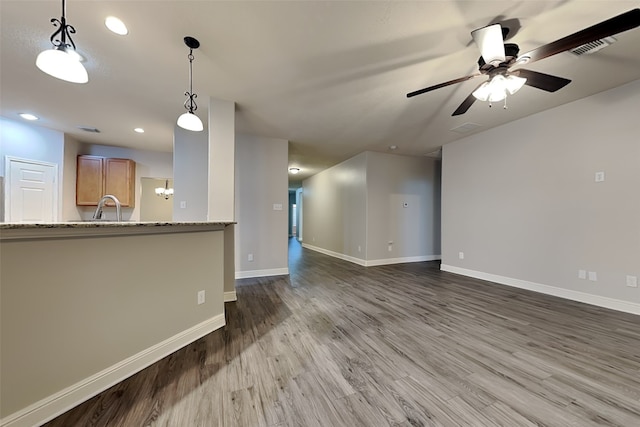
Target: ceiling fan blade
438	86
615	25
466	104
490	42
543	81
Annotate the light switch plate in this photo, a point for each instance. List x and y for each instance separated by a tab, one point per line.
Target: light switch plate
277	206
593	276
582	274
632	281
599	176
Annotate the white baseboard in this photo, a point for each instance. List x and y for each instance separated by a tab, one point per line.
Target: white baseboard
60	402
388	261
371	263
230	296
262	273
354	260
597	300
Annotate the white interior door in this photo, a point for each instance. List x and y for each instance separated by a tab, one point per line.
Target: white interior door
32	193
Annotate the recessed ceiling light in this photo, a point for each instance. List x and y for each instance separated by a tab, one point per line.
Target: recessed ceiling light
116	25
28	116
294	170
139	130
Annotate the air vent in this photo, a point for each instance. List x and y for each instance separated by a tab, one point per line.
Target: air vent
466	127
593	46
89	129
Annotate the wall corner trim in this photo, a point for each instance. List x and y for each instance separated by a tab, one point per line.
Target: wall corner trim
60	402
230	296
597	300
261	273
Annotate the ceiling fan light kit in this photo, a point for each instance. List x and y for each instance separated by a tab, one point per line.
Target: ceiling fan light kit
497	58
189	120
62	61
499	87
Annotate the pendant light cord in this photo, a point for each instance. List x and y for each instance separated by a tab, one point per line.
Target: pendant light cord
190	103
64	30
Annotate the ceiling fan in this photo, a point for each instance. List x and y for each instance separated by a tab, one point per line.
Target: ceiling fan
498	57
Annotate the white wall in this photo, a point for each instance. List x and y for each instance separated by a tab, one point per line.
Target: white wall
148	164
261	182
190	174
522	204
28	141
354	209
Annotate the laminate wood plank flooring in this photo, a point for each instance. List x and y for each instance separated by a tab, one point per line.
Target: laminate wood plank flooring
337	344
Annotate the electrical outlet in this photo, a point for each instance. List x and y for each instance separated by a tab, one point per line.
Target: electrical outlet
593	276
632	281
599	176
183	204
582	274
359	249
250	257
201	297
461	255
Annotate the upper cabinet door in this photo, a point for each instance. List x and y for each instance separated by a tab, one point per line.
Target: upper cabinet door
120	176
98	176
89	181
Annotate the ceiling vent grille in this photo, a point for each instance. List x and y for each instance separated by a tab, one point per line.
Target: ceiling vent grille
89	129
593	46
466	127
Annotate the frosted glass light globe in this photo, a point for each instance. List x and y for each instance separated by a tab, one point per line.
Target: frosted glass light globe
190	121
62	65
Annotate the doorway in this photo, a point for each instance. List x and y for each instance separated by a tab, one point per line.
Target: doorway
31	190
294	219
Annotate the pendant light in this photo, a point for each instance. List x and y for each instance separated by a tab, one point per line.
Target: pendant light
62	61
165	191
189	120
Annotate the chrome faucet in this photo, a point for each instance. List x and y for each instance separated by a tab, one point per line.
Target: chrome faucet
98	213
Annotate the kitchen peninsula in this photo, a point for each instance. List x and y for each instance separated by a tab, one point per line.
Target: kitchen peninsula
86	304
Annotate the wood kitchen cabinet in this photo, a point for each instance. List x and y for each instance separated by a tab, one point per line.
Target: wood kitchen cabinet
97	176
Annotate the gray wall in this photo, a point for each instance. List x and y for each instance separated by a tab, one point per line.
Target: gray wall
392	182
97	324
522	203
335	208
261	182
354	209
190	174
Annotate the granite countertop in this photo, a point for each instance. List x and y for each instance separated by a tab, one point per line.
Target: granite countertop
104	224
54	230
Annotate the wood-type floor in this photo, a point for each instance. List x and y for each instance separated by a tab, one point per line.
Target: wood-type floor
336	344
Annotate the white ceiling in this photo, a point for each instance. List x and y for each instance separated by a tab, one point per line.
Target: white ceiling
330	77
